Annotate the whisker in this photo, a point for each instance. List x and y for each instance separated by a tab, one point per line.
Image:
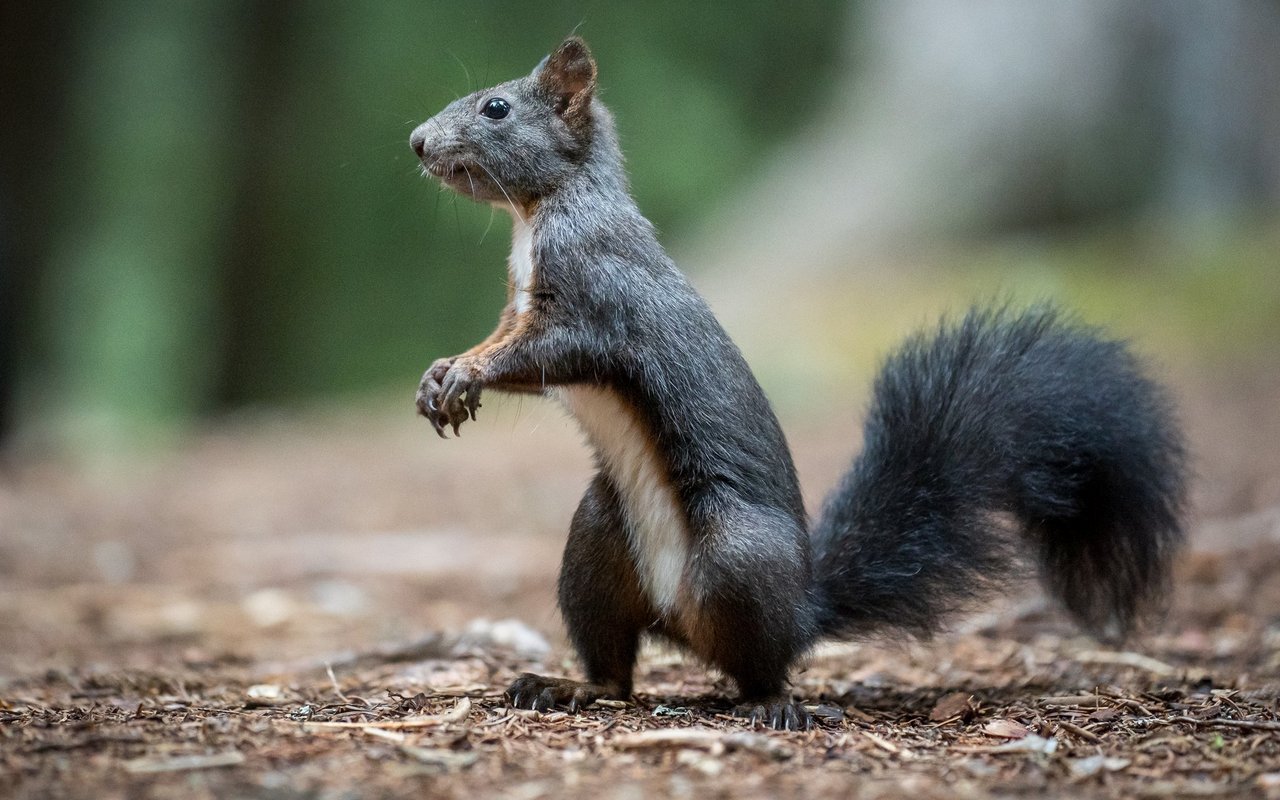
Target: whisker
470	182
502	189
457	218
465	71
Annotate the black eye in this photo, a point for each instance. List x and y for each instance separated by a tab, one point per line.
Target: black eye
496	108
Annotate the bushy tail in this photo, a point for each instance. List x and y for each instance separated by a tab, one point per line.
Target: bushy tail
1009	433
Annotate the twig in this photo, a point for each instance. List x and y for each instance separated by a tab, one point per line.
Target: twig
883	744
1251	724
436	757
1076	730
390	736
334	680
458	713
389	725
1084	700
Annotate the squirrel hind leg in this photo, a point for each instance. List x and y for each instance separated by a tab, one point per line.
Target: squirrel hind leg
603	606
751	616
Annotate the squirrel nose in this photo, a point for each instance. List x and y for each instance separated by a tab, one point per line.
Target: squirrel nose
419	144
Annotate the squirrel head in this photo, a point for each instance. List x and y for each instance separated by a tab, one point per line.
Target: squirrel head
520	140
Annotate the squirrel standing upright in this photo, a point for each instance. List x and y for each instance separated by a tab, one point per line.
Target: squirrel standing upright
1003	432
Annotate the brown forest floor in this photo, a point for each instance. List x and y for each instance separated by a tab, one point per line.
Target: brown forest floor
296	609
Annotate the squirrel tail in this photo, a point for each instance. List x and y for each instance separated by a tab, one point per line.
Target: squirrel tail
1005	435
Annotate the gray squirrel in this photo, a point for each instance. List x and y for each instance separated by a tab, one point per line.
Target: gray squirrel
1005	434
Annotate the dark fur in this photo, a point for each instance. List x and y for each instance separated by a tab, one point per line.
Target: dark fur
1005	428
1005	414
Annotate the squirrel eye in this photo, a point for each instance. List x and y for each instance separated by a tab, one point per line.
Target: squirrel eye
496	108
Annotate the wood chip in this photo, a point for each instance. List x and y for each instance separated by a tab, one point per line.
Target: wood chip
883	744
713	740
438	757
460	711
1092	765
1072	700
1125	659
957	705
229	758
670	737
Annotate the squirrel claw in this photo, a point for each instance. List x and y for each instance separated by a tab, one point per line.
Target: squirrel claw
441	400
536	693
781	715
460	395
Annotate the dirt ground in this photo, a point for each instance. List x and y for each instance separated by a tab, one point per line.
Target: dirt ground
330	606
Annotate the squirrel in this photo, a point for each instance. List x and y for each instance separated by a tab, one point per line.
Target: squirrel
1003	435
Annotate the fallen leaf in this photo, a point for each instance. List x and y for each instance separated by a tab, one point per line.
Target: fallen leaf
1028	744
1005	729
416	703
957	705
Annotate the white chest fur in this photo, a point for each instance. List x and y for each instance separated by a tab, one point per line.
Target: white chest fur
657	532
521	262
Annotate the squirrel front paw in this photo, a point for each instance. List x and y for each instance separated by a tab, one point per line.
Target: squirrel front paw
449	393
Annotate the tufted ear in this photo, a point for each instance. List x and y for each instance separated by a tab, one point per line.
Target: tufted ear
569	76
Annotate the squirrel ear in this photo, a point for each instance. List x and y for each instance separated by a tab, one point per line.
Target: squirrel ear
569	76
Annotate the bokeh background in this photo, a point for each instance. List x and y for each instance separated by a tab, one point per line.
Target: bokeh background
211	205
222	274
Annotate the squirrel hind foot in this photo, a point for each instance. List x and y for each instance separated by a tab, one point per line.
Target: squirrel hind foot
779	714
538	693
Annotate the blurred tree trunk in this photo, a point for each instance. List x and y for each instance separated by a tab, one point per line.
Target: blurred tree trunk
266	141
972	119
128	327
32	79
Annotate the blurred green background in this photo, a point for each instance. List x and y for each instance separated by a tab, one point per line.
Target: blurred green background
211	204
207	206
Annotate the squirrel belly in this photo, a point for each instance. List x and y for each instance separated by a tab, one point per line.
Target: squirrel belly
656	529
520	263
